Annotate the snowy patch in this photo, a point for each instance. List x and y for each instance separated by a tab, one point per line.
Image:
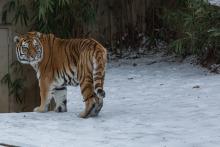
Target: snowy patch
215	2
150	102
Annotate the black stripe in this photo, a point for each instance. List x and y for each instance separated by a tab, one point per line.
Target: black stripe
63	76
65	50
98	85
74	60
97	74
60	88
69	79
98	78
69	65
49	53
72	72
58	74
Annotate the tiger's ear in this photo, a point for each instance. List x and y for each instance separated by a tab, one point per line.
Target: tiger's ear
38	34
16	39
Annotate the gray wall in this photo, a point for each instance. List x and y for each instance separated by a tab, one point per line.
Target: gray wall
4	56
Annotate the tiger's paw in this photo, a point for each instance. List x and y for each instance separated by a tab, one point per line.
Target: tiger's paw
93	110
86	113
90	106
61	108
97	108
40	109
83	114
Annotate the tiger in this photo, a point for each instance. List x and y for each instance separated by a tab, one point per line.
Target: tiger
59	63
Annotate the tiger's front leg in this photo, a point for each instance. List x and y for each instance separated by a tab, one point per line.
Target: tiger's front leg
45	95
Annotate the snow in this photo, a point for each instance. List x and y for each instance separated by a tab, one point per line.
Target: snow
215	2
150	102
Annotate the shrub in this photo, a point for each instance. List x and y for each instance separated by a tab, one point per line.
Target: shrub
197	28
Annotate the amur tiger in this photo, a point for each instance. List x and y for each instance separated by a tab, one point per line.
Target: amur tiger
63	62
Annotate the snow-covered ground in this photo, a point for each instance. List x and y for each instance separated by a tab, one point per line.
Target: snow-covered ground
215	2
151	102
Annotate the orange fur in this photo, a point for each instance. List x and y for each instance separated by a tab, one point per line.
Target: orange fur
72	61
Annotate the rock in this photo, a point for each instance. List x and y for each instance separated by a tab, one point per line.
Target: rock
197	86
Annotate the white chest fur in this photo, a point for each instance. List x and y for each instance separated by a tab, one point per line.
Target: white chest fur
35	66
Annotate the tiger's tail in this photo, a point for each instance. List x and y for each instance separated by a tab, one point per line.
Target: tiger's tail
99	62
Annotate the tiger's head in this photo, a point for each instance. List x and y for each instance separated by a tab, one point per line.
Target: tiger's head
29	49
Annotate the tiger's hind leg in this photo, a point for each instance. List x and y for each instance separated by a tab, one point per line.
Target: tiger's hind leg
93	104
91	75
98	106
87	92
60	99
